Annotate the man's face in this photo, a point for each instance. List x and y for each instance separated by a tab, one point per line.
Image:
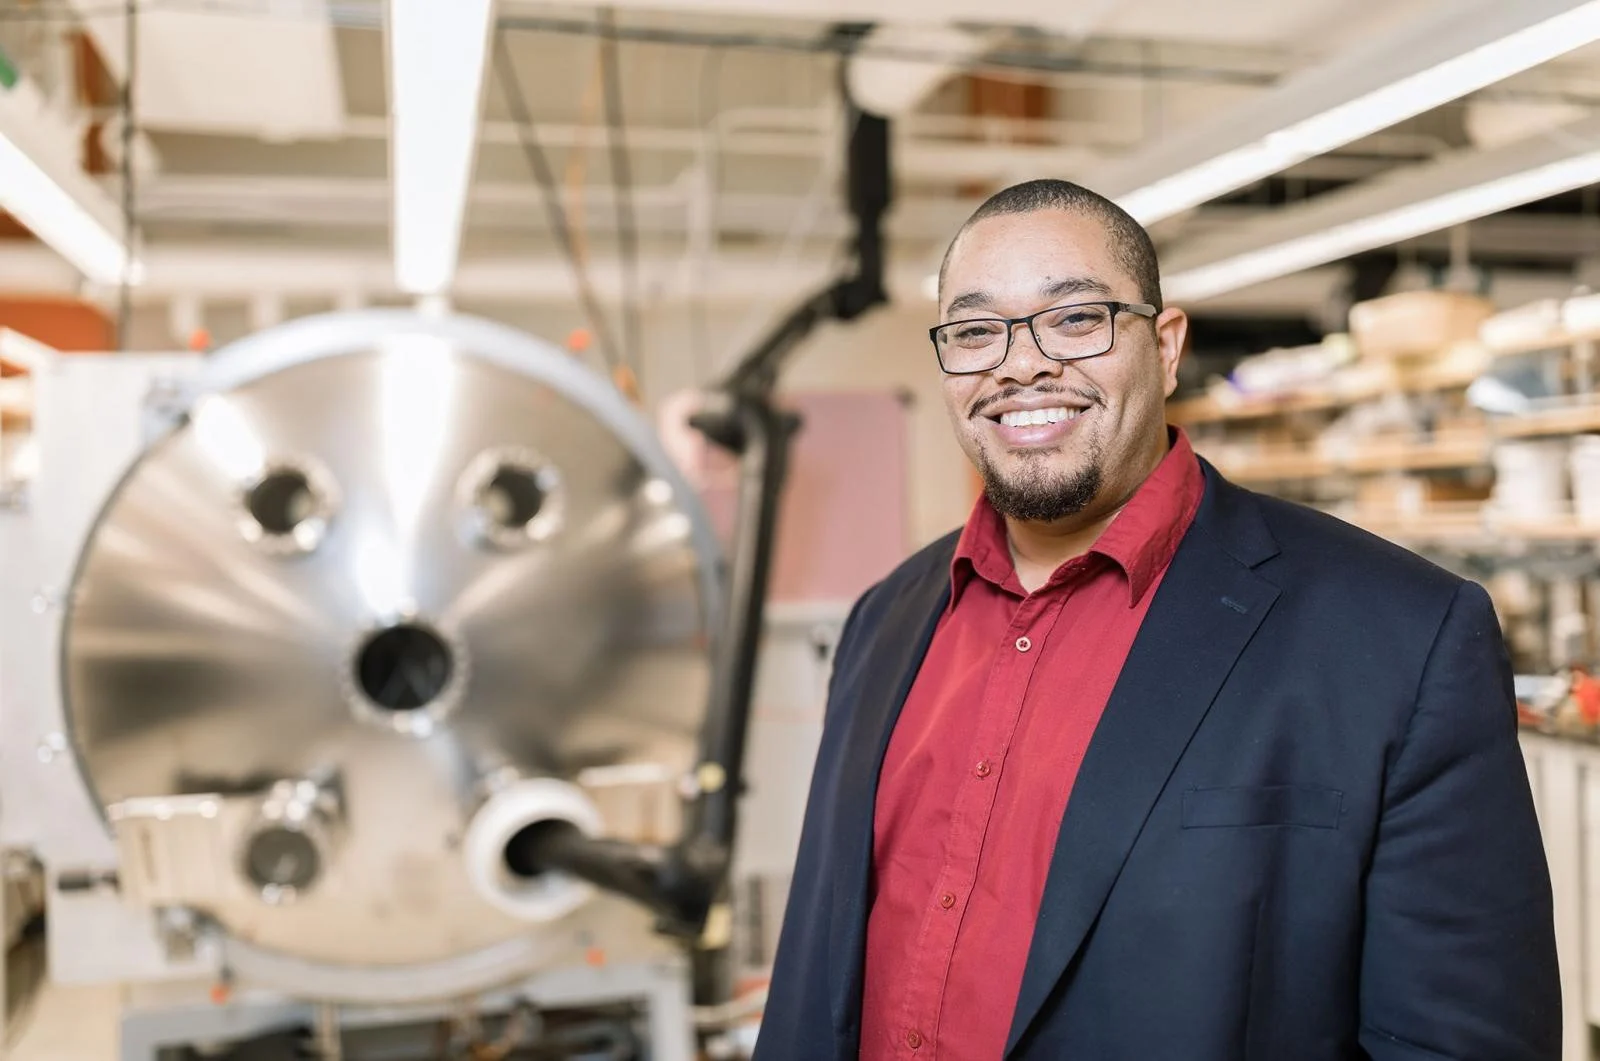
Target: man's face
1109	411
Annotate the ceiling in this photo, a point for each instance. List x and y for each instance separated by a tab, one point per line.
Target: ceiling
261	156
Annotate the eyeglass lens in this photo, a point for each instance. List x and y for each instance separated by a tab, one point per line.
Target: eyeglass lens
1065	334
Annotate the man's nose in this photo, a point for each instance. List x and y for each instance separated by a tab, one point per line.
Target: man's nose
1025	362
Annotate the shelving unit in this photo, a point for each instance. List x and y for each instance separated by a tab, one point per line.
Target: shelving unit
1395	446
1336	394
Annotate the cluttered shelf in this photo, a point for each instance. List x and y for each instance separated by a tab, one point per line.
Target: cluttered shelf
1472	526
1286	461
1415	343
1467	434
1562	705
1466	445
1337	391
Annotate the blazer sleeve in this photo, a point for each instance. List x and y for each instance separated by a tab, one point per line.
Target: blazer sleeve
1459	957
796	1023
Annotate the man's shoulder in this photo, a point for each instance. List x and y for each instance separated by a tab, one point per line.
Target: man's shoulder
1318	545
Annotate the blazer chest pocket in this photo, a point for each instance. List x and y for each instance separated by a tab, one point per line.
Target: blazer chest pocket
1303	805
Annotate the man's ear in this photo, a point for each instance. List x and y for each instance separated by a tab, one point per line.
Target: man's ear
1172	335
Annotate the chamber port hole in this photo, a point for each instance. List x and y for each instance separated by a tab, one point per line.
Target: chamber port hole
281	858
404	667
522	853
282	501
513	497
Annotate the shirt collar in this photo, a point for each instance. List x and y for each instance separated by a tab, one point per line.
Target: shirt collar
1140	541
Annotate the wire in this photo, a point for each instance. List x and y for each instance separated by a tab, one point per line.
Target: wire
622	183
517	102
130	77
803	224
369	14
711	161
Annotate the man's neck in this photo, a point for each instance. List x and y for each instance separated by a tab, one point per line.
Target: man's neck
1037	549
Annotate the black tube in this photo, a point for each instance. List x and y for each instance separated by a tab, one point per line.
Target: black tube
655	877
683	881
767	433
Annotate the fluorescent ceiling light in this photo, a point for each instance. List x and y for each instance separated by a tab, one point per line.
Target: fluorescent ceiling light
1380	230
437	53
46	209
1406	97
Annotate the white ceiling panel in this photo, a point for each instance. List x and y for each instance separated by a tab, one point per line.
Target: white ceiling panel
252	71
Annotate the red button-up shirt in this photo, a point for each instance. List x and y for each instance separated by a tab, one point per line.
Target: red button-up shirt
981	763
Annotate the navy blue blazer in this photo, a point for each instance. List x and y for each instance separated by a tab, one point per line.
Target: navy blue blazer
1303	829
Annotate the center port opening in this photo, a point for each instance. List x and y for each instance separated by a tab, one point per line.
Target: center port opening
282	858
513	497
281	501
527	852
404	667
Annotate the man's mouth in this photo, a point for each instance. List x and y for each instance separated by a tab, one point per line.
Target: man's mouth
1037	417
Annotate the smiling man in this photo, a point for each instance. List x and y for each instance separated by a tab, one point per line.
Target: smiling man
1140	765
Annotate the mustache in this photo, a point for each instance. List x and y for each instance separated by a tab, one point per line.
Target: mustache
1091	398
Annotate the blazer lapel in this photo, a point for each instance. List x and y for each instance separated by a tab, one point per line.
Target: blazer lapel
1207	608
890	664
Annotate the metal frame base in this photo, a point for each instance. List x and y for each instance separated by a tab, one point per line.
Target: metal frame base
158	1017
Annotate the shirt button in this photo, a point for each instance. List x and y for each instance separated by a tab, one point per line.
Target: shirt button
1023	644
983	769
947	900
914	1040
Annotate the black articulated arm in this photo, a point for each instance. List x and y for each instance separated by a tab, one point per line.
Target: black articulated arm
682	882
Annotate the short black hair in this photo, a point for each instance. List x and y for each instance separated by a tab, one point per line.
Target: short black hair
1130	243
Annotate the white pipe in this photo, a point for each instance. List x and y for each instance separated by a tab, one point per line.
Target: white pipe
1442	56
240	273
549	896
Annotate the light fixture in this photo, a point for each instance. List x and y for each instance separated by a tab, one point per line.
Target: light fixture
1382	228
49	211
438	50
1507	39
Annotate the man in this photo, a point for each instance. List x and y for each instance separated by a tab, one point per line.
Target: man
1140	765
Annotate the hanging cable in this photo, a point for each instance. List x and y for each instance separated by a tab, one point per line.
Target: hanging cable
622	185
517	102
710	117
130	17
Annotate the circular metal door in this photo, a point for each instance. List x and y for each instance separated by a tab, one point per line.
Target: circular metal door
387	559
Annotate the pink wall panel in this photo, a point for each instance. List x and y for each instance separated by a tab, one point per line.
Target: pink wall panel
844	522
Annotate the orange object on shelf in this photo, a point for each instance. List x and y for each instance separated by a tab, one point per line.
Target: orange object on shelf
1586	694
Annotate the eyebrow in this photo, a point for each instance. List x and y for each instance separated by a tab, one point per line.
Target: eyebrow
1050	289
970	300
1074	285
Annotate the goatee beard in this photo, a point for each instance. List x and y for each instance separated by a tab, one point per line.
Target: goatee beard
1033	497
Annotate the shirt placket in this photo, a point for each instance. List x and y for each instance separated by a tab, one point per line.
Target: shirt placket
1003	696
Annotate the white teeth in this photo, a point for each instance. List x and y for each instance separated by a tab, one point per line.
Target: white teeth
1035	417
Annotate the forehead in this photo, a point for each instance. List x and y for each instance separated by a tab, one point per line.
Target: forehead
1009	255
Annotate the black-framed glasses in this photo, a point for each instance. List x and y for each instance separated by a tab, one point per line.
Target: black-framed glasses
1062	333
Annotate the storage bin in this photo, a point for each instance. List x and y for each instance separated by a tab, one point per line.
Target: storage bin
1584	462
1524	328
1530	481
1416	323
